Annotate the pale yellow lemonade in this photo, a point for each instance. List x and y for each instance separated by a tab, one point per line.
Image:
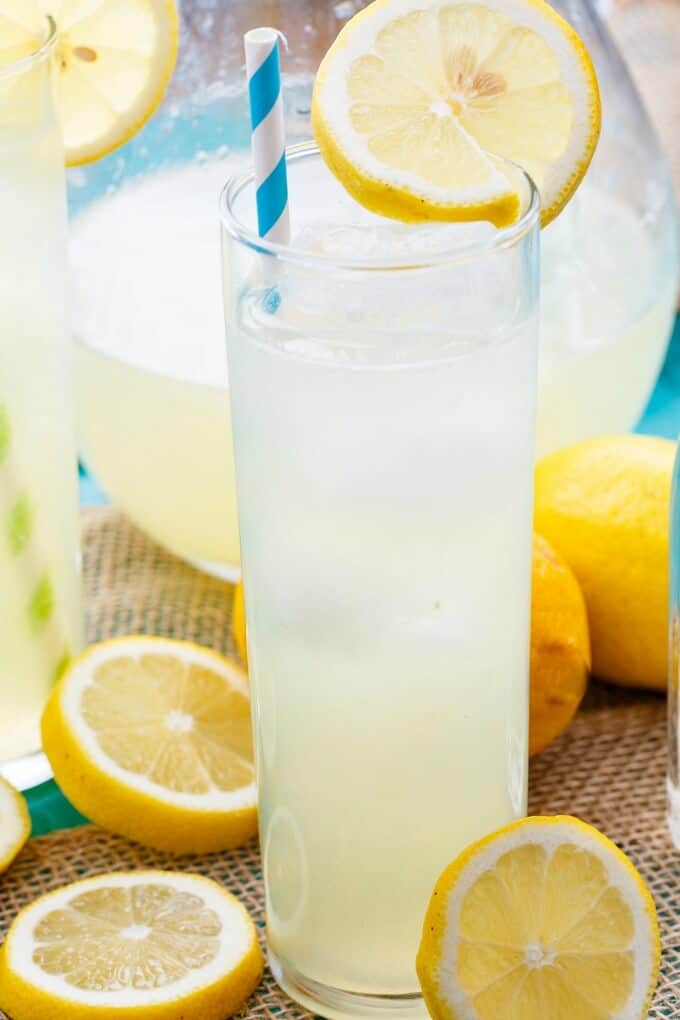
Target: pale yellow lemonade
384	453
608	300
40	608
151	364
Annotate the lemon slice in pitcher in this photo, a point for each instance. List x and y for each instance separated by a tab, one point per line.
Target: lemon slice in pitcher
156	945
545	918
151	738
114	60
414	96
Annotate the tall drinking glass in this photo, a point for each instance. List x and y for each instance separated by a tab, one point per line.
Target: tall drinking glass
40	617
383	385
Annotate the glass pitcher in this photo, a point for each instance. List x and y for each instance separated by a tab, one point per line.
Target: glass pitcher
609	266
151	365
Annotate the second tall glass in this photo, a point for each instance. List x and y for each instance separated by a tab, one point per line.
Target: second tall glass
383	383
40	606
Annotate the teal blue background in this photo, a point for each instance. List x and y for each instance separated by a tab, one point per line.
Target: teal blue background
50	809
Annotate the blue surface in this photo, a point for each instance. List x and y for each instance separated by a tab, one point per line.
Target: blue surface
662	417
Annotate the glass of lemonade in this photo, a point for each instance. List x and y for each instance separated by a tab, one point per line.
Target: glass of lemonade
383	389
40	610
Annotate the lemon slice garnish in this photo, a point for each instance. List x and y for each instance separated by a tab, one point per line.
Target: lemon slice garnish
152	738
15	823
114	60
413	98
152	944
545	918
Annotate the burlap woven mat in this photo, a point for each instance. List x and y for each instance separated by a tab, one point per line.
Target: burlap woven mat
609	768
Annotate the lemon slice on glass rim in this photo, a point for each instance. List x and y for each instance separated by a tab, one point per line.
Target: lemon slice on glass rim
415	98
113	61
151	944
546	918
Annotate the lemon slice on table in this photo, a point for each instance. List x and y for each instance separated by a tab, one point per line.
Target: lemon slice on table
151	944
114	60
546	918
15	823
151	738
414	96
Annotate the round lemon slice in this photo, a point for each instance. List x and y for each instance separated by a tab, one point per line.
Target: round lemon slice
415	98
151	738
545	918
151	944
15	824
114	60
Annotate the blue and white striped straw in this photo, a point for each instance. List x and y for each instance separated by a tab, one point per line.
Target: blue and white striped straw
269	141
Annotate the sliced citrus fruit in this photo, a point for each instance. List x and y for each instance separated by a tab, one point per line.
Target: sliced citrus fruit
414	96
15	823
114	60
151	944
151	738
545	918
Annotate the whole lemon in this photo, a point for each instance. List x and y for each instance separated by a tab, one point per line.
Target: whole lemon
604	505
560	647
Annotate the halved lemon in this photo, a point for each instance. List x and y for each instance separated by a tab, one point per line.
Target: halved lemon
114	60
415	98
15	823
546	918
151	944
151	738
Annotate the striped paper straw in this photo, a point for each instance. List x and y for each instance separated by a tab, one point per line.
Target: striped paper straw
269	141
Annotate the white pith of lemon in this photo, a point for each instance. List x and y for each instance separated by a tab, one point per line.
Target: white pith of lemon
414	96
545	918
151	738
145	944
15	823
113	61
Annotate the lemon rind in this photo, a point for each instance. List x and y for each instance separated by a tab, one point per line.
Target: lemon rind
14	804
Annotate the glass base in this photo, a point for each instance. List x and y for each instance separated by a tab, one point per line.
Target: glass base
338	1004
24	773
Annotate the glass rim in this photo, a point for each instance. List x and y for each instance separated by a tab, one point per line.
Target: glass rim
504	237
23	64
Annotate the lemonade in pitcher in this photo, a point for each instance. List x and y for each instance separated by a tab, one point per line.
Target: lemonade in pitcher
147	309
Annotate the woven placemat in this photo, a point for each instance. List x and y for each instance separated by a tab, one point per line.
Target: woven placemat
609	768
